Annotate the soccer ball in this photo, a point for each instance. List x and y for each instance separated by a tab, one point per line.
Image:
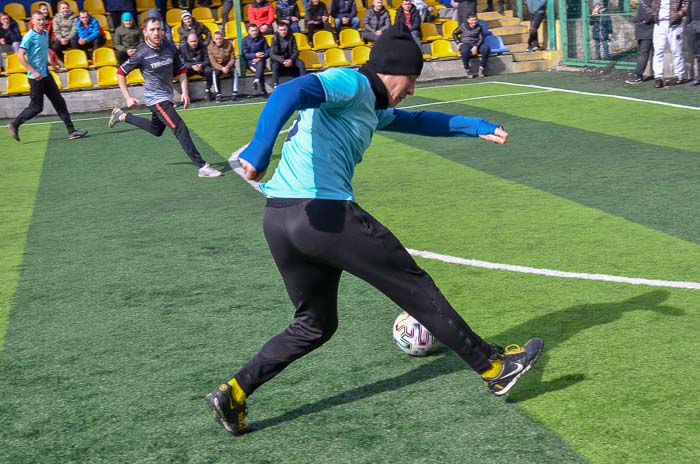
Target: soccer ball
412	338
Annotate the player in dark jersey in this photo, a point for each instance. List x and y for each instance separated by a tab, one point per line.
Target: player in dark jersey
159	61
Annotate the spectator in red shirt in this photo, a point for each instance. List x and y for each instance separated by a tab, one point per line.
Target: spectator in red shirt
262	14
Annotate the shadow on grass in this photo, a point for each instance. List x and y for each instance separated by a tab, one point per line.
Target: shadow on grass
554	328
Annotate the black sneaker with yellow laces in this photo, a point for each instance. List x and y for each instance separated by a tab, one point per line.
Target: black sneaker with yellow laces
514	361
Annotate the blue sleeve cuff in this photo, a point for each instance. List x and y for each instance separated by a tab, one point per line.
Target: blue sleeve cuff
298	94
436	124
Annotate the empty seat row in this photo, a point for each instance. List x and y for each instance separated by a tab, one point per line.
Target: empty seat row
76	79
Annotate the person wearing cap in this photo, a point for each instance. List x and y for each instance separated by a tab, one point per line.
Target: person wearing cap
315	230
126	38
188	25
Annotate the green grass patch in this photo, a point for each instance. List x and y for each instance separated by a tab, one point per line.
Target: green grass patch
19	182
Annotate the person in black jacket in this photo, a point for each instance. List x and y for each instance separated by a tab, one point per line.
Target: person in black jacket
601	30
316	18
256	52
694	35
644	35
408	14
196	59
284	55
287	12
469	37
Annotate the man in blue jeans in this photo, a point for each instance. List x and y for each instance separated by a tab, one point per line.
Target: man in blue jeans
316	231
34	55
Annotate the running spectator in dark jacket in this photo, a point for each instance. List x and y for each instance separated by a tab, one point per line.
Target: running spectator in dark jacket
377	20
126	38
316	18
288	13
644	35
189	24
408	14
344	13
284	55
89	34
256	52
469	37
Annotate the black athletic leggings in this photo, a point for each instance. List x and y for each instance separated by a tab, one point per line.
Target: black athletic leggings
163	114
312	243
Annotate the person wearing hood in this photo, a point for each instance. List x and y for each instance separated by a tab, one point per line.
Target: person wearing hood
126	38
316	231
188	25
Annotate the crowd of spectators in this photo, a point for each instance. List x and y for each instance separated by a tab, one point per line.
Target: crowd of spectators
270	43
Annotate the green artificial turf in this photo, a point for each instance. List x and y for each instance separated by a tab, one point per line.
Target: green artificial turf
19	180
142	287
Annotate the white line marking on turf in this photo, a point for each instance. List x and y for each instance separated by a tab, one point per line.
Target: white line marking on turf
552	272
484	97
236	167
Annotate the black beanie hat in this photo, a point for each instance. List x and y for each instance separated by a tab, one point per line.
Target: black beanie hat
396	52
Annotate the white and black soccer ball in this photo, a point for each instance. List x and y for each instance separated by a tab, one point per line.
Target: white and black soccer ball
412	338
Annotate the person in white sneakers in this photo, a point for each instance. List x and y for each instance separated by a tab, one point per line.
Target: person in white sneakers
668	29
159	60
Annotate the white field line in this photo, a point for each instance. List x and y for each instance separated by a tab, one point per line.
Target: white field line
236	167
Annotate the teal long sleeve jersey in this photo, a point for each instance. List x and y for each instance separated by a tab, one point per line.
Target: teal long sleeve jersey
336	121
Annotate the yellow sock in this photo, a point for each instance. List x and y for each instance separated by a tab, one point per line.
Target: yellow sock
238	393
495	369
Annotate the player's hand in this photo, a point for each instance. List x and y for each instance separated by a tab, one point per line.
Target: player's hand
36	75
250	172
185	99
131	102
499	136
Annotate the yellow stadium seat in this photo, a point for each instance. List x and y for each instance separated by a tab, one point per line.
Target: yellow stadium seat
268	38
172	16
203	14
108	39
448	29
75	59
429	32
442	48
35	6
57	80
79	79
176	34
102	21
302	41
104	56
107	76
323	40
94	7
73	5
350	37
134	77
211	25
392	14
310	59
22	27
145	5
17	83
359	55
12	65
16	11
230	30
334	57
388	6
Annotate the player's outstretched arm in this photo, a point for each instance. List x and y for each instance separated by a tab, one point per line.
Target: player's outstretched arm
298	94
437	124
